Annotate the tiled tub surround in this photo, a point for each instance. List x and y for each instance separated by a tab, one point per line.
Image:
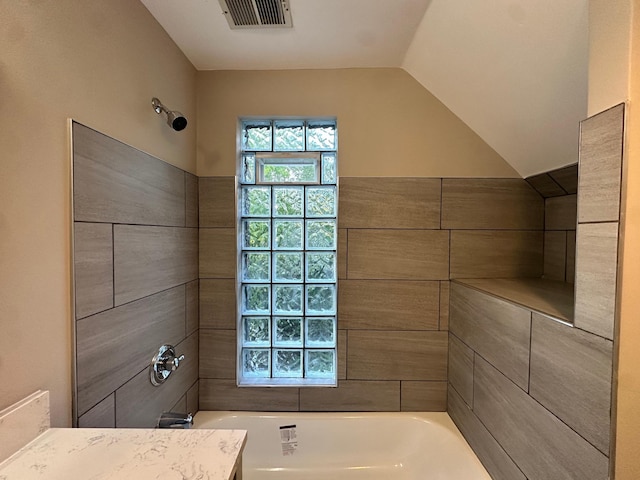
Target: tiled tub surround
400	242
136	281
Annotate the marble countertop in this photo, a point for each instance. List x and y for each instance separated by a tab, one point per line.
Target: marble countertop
141	454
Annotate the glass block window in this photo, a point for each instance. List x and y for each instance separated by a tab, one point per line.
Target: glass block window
287	260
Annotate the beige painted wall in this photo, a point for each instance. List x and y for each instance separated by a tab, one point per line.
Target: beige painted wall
628	401
389	125
100	63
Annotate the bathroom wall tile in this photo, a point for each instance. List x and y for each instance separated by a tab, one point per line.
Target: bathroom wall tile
570	275
567	178
461	368
497	330
103	415
139	404
217	252
388	305
93	267
596	265
193	395
115	183
151	259
23	421
375	202
394	355
496	254
601	138
352	396
342	253
571	377
217	353
342	354
445	288
217	202
192	206
490	203
423	396
555	251
225	395
192	307
135	331
560	213
398	254
218	303
540	444
545	185
180	405
490	453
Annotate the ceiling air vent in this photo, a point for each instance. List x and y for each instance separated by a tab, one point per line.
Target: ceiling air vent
256	13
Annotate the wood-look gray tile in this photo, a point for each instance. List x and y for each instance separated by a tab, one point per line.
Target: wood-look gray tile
389	202
192	305
115	183
545	185
567	178
217	202
102	415
93	267
490	453
151	259
497	330
180	405
218	303
496	253
600	167
342	253
193	395
423	396
191	194
394	355
217	252
135	331
560	213
537	441
342	354
555	251
571	377
398	254
388	305
352	396
445	287
139	404
225	395
490	203
571	257
217	353
596	267
461	368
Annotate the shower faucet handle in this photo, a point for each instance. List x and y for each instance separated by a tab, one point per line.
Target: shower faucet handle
163	364
175	363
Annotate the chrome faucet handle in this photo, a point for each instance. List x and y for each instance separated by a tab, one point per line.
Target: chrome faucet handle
163	364
175	363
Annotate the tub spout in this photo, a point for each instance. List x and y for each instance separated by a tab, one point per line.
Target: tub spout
175	420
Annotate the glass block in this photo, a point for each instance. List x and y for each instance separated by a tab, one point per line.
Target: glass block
303	171
321	136
287	267
248	174
287	363
289	135
288	235
287	332
321	267
287	299
321	299
256	201
288	201
256	362
320	363
256	136
329	173
256	234
256	332
321	201
321	234
256	299
256	267
320	332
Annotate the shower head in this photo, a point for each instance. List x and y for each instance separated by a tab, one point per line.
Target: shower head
175	119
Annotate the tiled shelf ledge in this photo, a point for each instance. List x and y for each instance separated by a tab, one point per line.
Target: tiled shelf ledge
547	297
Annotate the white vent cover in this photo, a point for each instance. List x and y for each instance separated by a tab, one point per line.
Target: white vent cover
256	13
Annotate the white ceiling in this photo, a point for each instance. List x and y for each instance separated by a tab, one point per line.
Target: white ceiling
515	71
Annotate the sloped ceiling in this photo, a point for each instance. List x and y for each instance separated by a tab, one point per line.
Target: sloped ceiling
515	71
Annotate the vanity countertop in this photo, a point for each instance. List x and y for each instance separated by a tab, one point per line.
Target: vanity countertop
141	454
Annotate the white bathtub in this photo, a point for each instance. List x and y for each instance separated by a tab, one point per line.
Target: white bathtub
344	446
